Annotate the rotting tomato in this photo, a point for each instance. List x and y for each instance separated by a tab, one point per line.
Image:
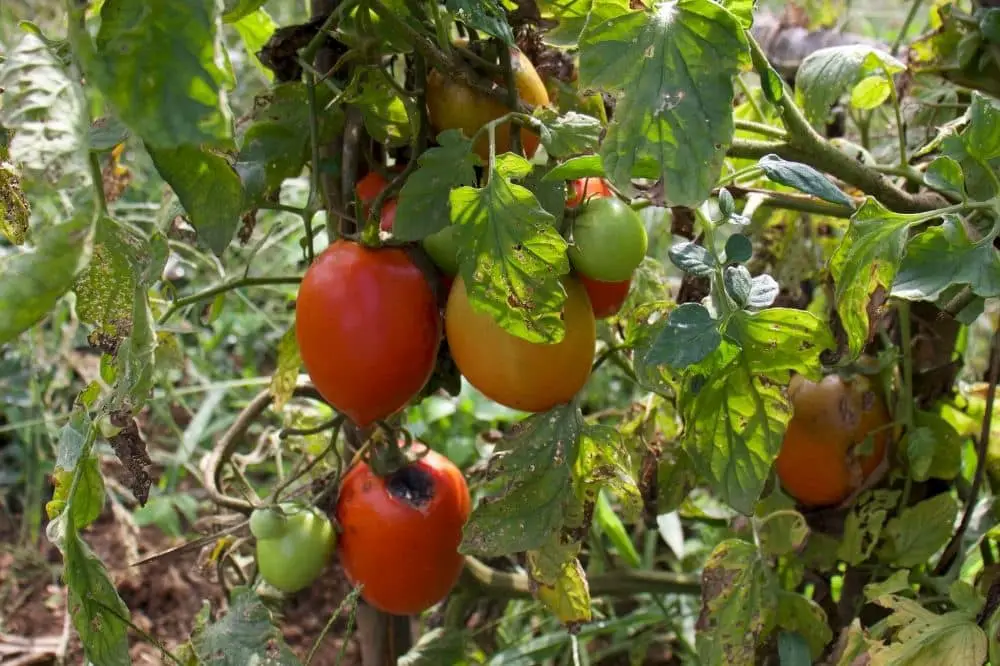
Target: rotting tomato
821	461
368	328
609	240
294	543
523	375
583	189
606	298
452	105
400	534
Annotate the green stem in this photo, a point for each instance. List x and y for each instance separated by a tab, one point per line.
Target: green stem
791	201
101	209
223	288
904	163
762	129
905	28
750	98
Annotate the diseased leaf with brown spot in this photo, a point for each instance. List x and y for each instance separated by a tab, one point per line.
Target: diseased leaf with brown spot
559	582
739	605
287	373
131	451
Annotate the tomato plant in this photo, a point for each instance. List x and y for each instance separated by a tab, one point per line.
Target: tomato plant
351	288
294	543
401	532
609	240
606	298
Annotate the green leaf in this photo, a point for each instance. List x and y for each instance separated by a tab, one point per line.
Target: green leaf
610	525
568	134
485	15
511	258
575	15
685	337
234	10
207	187
15	211
927	639
982	136
864	266
693	259
675	66
255	29
738	282
88	500
287	373
804	178
159	63
945	256
919	531
534	463
793	650
424	202
585	166
739	603
864	524
46	110
989	25
93	603
782	532
739	248
244	635
945	461
979	175
830	72
384	112
806	619
945	174
31	282
870	92
603	462
437	646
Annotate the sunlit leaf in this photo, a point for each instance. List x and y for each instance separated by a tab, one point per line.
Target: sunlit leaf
574	16
568	134
602	462
254	29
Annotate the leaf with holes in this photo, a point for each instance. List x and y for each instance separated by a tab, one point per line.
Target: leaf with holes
534	465
424	202
287	373
864	266
511	258
739	602
864	524
603	462
674	66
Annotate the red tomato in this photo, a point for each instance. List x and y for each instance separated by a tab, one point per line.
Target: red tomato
369	187
368	329
388	217
606	298
587	188
400	534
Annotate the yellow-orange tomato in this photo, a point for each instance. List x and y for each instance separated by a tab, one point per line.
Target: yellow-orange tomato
368	327
451	105
819	463
401	533
524	375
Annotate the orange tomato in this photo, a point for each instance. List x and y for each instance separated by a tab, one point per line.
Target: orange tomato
400	534
368	328
818	463
451	105
606	298
522	375
582	189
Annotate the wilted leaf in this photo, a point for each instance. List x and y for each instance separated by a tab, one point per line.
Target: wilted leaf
511	258
88	501
865	263
739	603
603	462
287	373
534	463
15	211
674	66
244	635
560	582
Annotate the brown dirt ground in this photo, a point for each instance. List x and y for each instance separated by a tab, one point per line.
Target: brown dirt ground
164	596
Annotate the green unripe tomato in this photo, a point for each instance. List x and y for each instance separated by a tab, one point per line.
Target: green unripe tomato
609	240
268	523
293	560
442	248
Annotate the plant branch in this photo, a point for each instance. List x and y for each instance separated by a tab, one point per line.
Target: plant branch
222	288
762	129
790	201
951	550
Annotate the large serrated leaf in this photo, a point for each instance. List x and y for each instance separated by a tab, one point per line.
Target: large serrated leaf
739	604
535	464
31	282
209	189
865	264
46	110
161	64
675	66
511	258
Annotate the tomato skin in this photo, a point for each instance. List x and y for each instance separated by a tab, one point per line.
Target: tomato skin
388	216
451	105
369	187
606	298
816	464
405	554
295	558
609	240
512	371
583	189
368	328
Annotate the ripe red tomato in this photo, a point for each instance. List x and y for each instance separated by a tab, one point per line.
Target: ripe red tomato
388	216
369	187
451	105
606	298
583	189
293	545
523	375
368	329
400	534
817	463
